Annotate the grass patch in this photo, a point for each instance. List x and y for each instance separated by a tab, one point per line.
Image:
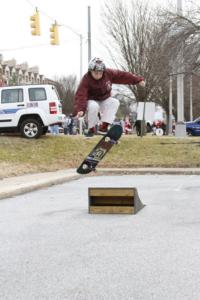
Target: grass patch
49	153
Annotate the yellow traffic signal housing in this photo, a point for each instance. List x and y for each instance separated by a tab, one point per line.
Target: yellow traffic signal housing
35	23
54	34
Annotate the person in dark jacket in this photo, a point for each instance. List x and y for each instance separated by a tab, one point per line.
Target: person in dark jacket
94	94
71	124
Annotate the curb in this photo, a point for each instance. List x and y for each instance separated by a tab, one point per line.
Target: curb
145	171
19	185
14	186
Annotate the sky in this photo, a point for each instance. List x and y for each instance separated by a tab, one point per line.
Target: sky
63	60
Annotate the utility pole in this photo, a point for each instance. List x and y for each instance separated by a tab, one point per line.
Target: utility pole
89	34
191	100
180	126
170	104
81	55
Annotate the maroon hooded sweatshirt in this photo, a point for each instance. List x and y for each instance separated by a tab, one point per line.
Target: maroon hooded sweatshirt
99	90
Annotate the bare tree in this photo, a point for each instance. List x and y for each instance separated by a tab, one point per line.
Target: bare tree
147	42
66	88
134	31
182	33
129	28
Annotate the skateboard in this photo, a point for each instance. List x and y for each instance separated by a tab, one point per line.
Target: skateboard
99	151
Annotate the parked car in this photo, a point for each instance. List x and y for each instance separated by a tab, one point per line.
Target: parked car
193	128
29	109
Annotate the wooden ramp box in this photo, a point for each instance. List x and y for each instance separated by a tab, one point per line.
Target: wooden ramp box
114	201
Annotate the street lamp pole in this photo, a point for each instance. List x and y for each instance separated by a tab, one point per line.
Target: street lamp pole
81	55
180	127
179	7
89	34
191	100
170	104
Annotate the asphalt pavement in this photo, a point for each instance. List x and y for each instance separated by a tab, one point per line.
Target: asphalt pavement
53	249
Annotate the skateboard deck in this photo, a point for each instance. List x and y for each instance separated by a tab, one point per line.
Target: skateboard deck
100	150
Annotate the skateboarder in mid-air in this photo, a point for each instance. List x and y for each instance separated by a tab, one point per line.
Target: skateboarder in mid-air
94	94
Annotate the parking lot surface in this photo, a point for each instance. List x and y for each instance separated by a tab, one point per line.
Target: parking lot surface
51	248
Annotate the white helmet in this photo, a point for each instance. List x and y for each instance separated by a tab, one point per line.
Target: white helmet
96	64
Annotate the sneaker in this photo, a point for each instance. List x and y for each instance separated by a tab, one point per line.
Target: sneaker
103	128
90	132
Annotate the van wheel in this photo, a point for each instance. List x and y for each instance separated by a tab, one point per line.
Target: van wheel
31	129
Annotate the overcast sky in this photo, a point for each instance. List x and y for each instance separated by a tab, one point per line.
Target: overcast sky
17	42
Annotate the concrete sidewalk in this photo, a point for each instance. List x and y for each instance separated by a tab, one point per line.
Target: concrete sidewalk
22	184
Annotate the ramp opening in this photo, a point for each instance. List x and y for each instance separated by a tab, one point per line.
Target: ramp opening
114	201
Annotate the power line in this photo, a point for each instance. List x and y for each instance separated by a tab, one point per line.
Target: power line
45	14
33	46
69	28
53	19
45	44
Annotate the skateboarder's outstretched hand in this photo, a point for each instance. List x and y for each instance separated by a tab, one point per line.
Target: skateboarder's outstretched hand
80	114
142	83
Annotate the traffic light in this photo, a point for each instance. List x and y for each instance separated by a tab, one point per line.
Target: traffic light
54	34
35	23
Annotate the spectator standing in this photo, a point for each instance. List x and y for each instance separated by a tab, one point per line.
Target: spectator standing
71	124
127	125
54	129
66	123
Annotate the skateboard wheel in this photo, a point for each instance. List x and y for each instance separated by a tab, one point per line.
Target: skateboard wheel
85	166
107	139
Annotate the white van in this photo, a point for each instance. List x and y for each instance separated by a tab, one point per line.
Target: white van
29	109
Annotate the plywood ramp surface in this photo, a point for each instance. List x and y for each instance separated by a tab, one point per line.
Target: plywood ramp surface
111	192
111	210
